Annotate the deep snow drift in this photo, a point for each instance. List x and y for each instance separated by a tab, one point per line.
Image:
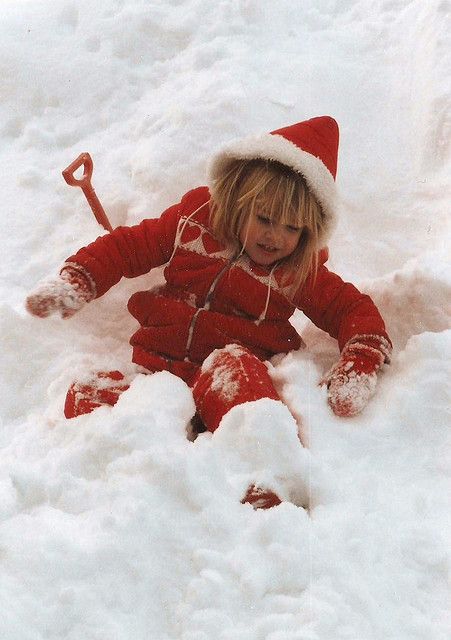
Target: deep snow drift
115	525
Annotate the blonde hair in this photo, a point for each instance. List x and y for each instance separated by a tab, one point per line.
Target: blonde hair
241	191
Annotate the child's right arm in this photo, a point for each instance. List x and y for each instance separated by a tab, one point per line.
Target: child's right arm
128	251
125	252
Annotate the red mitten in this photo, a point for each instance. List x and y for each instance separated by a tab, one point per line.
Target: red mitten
65	294
352	380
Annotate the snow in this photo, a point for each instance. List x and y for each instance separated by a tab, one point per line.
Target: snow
115	525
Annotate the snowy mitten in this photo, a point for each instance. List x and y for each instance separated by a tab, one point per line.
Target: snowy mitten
352	380
65	294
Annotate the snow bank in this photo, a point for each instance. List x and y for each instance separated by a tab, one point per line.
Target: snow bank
115	525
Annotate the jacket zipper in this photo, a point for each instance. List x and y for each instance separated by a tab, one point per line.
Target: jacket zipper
206	307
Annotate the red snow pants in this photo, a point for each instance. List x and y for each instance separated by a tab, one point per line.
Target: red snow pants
228	377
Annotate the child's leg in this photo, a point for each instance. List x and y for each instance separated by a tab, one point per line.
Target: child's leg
105	387
230	377
101	388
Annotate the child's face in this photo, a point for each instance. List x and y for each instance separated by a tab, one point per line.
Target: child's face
266	241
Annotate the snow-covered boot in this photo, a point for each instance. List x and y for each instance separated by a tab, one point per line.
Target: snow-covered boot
101	388
262	456
258	438
261	498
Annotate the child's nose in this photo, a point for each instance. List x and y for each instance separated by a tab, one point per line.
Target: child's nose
273	231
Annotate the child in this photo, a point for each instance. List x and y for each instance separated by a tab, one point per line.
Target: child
241	255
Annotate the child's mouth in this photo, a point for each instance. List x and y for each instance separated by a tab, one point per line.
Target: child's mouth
267	248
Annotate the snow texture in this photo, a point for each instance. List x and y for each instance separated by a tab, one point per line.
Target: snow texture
114	525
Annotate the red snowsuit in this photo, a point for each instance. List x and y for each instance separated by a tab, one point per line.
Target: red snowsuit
213	298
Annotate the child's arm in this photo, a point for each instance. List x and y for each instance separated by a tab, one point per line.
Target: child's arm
352	317
339	308
127	251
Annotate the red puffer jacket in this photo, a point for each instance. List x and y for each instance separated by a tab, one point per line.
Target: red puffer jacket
212	297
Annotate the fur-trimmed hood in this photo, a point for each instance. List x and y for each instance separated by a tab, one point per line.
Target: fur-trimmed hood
309	148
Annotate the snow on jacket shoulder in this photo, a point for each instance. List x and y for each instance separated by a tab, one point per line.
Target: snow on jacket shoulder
213	297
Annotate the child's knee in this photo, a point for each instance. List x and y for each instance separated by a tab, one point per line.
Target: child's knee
229	377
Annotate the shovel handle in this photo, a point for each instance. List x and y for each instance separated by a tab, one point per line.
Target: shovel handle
68	173
85	160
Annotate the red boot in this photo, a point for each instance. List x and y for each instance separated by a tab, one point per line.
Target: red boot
230	377
100	389
261	498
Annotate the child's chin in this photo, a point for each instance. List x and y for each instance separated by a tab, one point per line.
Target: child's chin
262	262
262	258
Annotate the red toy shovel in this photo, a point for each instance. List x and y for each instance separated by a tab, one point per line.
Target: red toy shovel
84	182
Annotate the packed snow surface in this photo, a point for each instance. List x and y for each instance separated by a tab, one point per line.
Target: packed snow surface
114	525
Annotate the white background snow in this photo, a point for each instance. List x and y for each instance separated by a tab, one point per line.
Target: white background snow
114	526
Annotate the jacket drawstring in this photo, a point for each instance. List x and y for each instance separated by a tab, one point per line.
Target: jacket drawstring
181	228
268	295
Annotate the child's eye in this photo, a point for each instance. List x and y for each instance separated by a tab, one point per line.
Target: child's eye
263	219
292	228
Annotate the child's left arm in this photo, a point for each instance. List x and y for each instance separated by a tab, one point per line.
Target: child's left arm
354	320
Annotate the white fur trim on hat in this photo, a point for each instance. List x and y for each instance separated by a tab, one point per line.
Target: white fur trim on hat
276	147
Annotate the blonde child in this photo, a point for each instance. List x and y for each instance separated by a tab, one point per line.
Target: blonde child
241	255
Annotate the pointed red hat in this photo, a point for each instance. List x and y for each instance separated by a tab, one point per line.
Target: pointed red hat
309	147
